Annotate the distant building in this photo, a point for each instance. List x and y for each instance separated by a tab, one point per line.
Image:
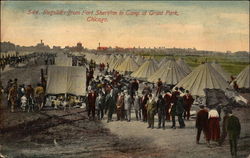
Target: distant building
77	48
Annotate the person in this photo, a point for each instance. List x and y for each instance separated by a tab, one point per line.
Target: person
180	110
135	86
39	96
235	86
167	98
174	95
91	104
12	96
137	102
151	109
128	101
213	124
233	129
159	86
161	109
30	97
99	104
110	102
23	102
188	101
224	126
120	107
146	90
202	124
144	101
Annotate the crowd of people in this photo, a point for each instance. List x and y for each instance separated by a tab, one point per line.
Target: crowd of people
111	93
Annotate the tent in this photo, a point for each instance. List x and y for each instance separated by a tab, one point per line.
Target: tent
184	65
145	70
116	63
66	79
128	65
163	61
63	61
243	79
139	60
202	77
170	73
221	71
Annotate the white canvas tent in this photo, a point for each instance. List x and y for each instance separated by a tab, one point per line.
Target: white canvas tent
184	65
116	63
139	60
129	65
63	61
221	71
163	61
204	76
145	70
65	79
170	73
243	79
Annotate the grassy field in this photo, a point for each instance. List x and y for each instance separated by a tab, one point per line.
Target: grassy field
230	65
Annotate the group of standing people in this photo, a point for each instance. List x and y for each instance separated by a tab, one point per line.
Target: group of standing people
24	97
209	122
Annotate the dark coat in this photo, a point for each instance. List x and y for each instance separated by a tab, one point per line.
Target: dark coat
233	127
91	99
202	119
110	102
174	96
161	106
179	106
188	101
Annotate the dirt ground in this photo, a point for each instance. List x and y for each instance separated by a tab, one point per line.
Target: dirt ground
69	134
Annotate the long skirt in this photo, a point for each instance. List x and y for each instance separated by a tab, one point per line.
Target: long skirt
214	129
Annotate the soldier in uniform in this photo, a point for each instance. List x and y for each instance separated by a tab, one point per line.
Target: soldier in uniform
151	109
161	109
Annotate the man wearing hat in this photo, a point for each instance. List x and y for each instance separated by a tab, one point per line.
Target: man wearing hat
188	101
120	106
110	102
159	86
233	130
202	123
151	109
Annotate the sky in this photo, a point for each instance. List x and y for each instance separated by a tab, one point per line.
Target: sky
214	25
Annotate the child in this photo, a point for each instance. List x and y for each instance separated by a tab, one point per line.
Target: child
23	102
